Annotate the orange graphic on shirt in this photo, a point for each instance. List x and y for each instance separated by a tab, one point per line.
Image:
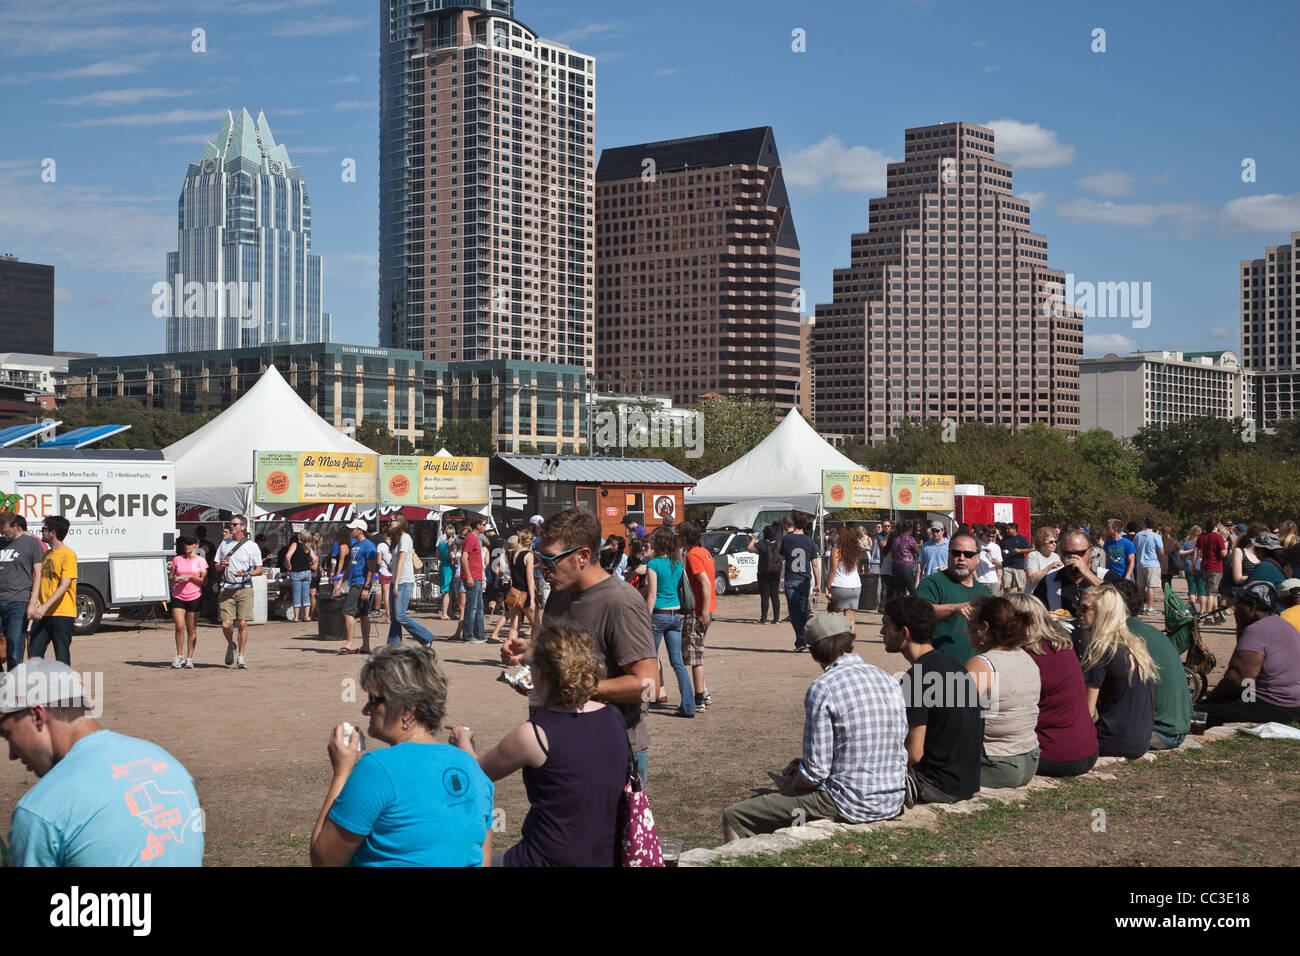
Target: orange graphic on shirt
165	814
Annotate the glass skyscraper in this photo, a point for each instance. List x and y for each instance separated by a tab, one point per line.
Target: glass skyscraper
243	273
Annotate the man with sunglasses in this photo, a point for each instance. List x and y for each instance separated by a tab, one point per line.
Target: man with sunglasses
611	612
238	562
1063	587
951	591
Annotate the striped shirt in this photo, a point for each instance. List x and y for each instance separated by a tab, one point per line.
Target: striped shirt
855	725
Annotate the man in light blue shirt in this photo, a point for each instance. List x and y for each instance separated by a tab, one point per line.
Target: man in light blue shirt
103	799
1148	546
934	553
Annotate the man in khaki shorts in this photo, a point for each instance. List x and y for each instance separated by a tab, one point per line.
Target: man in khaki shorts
238	561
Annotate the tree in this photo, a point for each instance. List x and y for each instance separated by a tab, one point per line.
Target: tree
469	438
731	426
1118	465
374	434
1175	453
150	428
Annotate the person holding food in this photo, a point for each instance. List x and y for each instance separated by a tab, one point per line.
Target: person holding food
1060	589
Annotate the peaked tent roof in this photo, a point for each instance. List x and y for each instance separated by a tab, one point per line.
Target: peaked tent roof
215	462
787	462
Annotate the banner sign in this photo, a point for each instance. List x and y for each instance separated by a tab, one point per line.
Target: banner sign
855	489
935	493
310	476
430	481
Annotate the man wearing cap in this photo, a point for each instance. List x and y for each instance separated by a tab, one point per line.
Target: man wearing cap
1262	682
951	591
363	568
934	553
238	561
103	799
854	763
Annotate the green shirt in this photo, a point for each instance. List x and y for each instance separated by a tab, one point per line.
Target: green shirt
952	635
1173	704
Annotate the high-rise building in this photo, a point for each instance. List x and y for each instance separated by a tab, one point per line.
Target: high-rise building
948	308
1125	394
243	273
486	181
697	269
26	306
1270	330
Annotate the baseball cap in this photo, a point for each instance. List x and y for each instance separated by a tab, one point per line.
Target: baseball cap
935	526
826	625
536	519
1261	594
1241	528
1290	584
359	524
39	681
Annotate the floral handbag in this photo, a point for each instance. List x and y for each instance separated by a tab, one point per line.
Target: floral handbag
640	843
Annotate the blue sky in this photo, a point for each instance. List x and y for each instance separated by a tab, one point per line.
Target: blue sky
1132	157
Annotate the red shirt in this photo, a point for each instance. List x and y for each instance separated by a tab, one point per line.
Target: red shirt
1212	548
700	559
1065	729
473	550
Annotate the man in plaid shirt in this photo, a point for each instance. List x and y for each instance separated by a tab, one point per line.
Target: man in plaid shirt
854	763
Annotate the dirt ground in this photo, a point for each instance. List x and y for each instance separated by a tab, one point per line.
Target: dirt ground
254	740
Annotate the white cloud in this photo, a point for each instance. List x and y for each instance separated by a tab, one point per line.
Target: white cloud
123	97
579	34
830	165
1133	214
1035	200
1272	212
1101	343
319	26
62	296
357	105
153	119
1108	184
120	66
350	78
1221	334
1028	145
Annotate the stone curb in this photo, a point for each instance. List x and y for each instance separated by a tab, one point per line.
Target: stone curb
927	816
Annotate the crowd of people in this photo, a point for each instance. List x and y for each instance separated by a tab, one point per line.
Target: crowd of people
1024	659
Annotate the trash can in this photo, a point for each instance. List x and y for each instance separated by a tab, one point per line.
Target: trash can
259	600
329	617
869	599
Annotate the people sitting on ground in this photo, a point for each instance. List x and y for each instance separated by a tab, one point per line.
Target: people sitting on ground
416	802
574	755
1288	595
854	763
1009	687
1172	714
945	733
1262	680
1268	548
1067	737
1120	675
951	591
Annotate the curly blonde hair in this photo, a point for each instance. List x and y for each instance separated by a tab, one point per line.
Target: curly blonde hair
568	665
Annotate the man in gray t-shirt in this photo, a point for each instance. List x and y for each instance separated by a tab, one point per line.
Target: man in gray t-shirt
20	586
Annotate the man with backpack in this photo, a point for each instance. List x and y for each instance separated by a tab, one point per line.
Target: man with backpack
769	573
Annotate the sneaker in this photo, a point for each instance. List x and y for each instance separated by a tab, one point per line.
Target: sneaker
701	705
480	640
179	662
230	654
241	664
681	713
708	698
189	663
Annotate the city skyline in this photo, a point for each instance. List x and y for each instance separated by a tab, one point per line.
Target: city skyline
1132	159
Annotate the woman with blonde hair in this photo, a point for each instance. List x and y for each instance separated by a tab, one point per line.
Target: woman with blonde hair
1120	674
1067	738
520	551
1043	559
1289	534
574	755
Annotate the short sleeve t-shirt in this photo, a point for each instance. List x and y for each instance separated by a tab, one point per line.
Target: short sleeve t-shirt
699	560
18	558
1173	705
1212	549
952	636
1278	682
416	805
114	801
58	564
614	615
1147	545
941	697
1117	554
1019	542
473	552
799	553
934	555
1065	730
384	554
188	590
405	547
359	558
243	556
1124	707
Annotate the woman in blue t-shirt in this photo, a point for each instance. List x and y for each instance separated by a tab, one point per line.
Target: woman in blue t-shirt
416	802
663	575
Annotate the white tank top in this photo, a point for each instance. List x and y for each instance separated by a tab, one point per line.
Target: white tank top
846	577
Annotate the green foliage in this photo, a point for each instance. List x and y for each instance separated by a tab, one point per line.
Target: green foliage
1246	485
150	428
1176	453
732	426
468	438
374	434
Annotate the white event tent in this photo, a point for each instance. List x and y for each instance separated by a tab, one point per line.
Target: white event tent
214	465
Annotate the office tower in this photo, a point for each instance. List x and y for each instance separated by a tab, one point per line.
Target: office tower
697	269
1270	337
243	273
26	306
948	308
486	179
1124	394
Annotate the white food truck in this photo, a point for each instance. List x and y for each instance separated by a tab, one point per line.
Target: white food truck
121	508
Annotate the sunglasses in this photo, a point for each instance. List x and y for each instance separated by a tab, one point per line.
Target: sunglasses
548	560
1051	541
1085	608
962	554
1074	554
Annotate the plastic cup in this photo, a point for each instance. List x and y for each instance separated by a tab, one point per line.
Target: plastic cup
671	848
1199	718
